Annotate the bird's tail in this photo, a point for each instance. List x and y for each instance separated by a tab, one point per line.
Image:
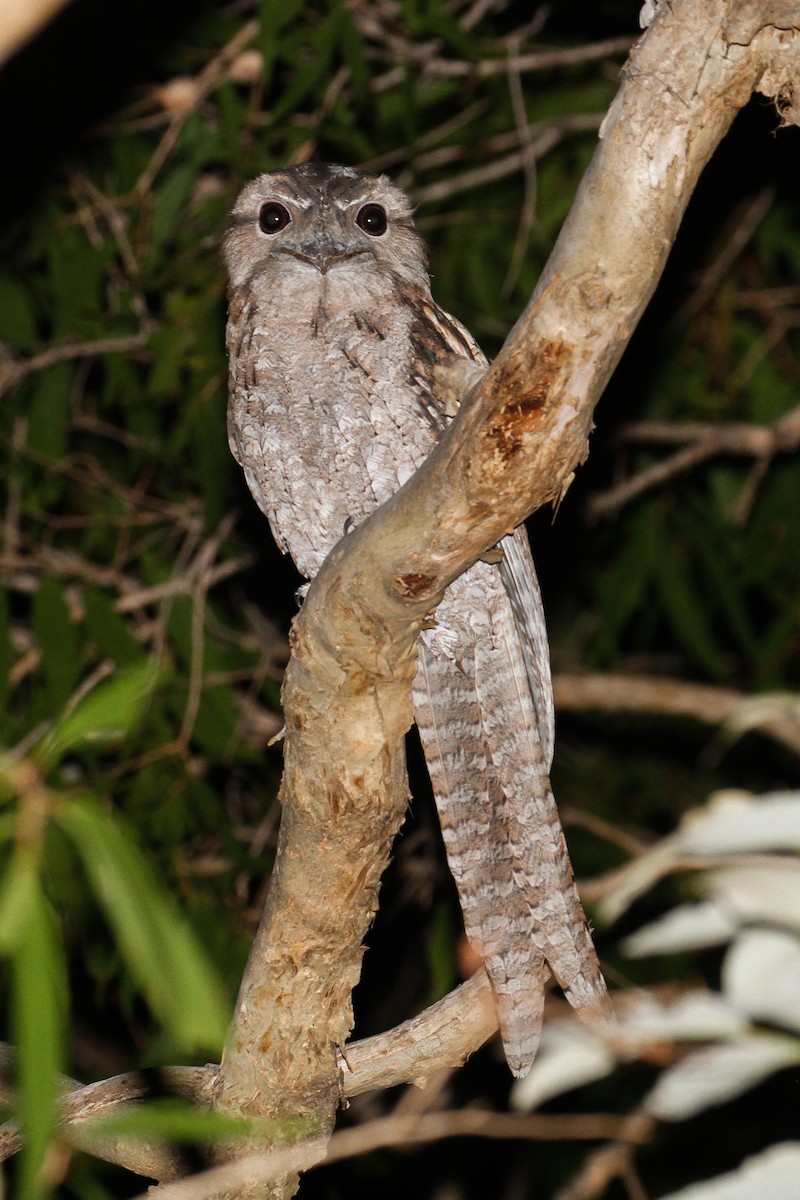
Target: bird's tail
501	829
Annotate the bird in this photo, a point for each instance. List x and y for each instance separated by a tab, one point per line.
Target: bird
334	342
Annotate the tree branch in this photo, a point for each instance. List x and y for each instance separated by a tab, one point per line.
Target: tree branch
444	1035
13	370
663	696
21	20
701	442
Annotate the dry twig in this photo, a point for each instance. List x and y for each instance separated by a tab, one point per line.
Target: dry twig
13	370
702	442
610	1162
236	1178
667	697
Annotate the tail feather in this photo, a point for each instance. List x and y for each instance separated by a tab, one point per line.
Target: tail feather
467	798
489	769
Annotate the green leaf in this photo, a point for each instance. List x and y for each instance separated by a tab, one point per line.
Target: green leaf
217	721
352	45
17	896
726	583
622	587
6	655
38	1019
170	197
109	630
107	714
456	39
172	1119
17	322
685	610
440	954
58	643
47	420
312	70
214	469
156	941
273	16
77	278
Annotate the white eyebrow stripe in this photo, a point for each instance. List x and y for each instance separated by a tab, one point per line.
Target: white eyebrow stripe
343	204
286	195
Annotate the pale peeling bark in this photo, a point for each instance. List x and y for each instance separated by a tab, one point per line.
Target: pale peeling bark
21	20
513	447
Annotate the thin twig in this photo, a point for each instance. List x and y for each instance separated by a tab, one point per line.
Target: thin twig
507	165
665	697
542	60
744	225
704	441
390	1132
609	1162
527	149
14	370
203	84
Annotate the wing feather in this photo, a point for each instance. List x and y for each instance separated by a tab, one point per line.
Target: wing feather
470	805
484	707
516	567
522	585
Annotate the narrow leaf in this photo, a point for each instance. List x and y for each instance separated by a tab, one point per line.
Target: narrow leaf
717	1074
155	939
769	894
685	611
105	715
687	927
774	1173
38	1003
736	822
761	976
568	1057
57	640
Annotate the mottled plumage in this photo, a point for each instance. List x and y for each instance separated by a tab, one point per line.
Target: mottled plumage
333	339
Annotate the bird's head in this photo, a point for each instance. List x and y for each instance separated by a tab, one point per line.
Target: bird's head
322	218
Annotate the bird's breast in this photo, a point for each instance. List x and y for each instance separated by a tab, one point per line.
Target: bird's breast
330	408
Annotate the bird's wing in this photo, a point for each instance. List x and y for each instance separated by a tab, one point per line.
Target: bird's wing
439	333
245	425
519	576
484	708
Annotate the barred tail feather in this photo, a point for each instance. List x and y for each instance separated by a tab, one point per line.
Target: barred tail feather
489	770
448	718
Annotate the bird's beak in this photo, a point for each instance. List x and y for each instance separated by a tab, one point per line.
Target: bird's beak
323	252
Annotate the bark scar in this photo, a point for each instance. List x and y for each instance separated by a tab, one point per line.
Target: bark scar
528	393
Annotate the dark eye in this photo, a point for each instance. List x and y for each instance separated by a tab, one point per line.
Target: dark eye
372	219
273	217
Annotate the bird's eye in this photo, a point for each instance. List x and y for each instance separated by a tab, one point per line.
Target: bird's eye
372	219
273	217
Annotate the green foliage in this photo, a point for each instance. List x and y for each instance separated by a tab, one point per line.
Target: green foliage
38	1020
153	937
142	608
